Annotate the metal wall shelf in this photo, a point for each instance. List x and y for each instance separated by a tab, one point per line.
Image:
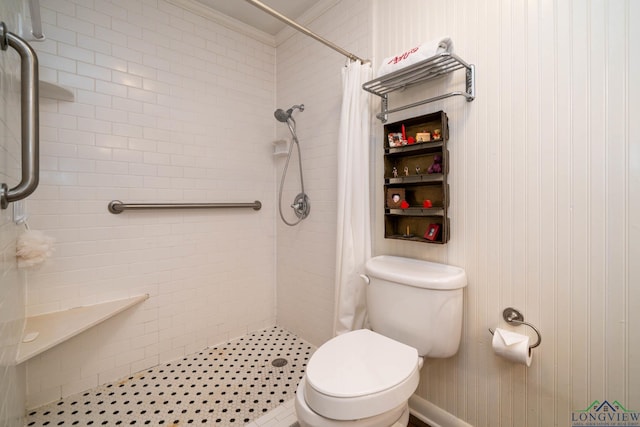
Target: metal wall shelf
420	72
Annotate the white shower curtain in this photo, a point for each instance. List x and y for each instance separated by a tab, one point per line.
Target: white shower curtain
354	225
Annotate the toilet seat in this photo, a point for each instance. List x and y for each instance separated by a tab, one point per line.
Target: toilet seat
396	417
360	374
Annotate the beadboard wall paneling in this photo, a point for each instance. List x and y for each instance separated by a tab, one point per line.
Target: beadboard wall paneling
632	129
543	164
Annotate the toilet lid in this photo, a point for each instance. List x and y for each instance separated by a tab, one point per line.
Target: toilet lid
360	363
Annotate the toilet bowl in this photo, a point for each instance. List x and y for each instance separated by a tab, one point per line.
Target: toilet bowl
364	378
360	378
397	417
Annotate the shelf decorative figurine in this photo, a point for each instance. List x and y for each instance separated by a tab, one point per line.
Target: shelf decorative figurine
436	167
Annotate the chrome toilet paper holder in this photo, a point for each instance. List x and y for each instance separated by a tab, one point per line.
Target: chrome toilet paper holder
513	316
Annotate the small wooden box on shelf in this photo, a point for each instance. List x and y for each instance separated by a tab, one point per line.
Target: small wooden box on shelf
416	164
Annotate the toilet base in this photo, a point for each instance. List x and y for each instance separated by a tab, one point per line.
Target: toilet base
397	417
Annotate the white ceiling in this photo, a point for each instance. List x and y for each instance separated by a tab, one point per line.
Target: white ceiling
245	12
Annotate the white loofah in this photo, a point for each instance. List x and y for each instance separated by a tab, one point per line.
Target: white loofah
33	248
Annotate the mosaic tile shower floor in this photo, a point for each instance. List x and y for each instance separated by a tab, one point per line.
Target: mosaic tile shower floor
229	385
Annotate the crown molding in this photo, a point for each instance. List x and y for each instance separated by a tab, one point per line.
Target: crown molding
305	19
224	20
233	24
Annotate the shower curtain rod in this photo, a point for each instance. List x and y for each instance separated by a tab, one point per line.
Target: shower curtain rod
291	23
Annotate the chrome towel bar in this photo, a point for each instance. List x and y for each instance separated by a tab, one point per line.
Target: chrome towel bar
116	206
29	113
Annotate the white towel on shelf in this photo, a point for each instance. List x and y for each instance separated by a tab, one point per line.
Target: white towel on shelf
416	54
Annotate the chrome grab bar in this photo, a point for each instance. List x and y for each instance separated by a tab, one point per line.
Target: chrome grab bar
116	206
29	114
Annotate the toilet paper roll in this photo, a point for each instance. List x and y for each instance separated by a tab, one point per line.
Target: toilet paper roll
512	346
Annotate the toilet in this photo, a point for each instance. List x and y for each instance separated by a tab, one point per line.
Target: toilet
364	378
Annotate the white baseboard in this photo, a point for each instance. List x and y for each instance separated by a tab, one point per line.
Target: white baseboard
431	414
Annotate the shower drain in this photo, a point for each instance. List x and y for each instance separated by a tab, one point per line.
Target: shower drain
279	362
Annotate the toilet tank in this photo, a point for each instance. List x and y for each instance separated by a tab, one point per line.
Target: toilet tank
418	303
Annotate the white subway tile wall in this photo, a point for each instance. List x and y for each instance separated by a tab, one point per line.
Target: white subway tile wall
12	281
169	107
310	73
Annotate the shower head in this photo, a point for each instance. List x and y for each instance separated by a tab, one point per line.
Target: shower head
281	115
284	116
